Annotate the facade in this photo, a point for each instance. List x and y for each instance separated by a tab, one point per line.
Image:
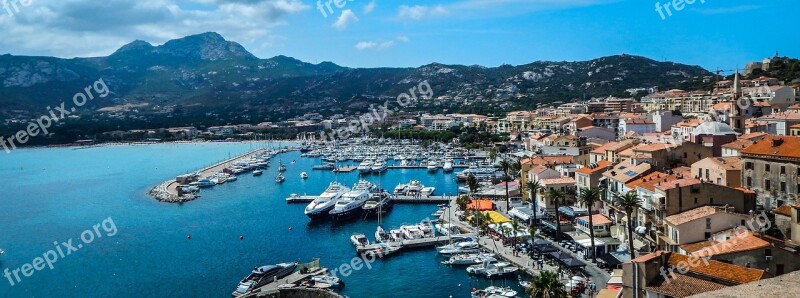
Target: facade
699	224
771	168
720	170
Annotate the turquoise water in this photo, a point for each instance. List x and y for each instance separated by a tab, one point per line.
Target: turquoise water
53	195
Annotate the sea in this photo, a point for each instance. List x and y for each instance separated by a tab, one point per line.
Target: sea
51	197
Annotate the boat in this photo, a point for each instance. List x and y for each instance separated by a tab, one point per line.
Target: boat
263	275
378	167
365	167
203	183
330	281
379	203
351	204
381	236
448	166
282	168
427	191
489	263
232	178
321	206
280	178
447	229
433	166
397	235
258	172
459	248
359	240
501	271
412	188
304	175
494	292
467	259
327	166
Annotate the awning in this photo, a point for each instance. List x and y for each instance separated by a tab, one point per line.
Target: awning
572	263
610	260
588	242
496	217
480	205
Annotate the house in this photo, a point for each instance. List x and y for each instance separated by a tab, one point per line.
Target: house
669	274
600	223
589	176
682	131
542	172
742	247
720	170
735	148
593	132
713	134
698	224
639	126
564	184
771	169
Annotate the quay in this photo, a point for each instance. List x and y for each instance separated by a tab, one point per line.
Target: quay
297	199
413	243
168	191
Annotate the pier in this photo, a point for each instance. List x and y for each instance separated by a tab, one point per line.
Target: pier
168	191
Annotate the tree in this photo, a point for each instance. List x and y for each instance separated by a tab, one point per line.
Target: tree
515	228
462	202
556	196
534	187
546	285
492	155
588	197
506	166
629	202
472	184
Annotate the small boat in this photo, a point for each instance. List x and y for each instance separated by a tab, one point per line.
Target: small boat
378	167
263	275
494	292
232	178
427	191
447	229
459	248
489	263
382	236
359	240
282	168
304	175
433	166
467	259
365	167
379	203
258	172
500	271
2	251
331	281
448	166
202	183
280	178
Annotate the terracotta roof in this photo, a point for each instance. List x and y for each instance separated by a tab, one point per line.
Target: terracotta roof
562	180
647	257
783	146
683	286
678	183
602	149
730	163
753	136
601	166
622	145
654	176
625	171
638	121
738	144
784	210
627	152
690	123
693	214
653	147
723	106
597	219
744	241
693	247
718	270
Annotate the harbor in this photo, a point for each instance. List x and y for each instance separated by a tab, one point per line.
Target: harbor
298	199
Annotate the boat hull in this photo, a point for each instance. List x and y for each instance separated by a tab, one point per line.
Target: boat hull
320	214
346	215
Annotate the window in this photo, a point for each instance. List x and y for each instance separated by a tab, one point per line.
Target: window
783	186
748	165
766	184
783	170
707	175
750	182
779	269
707	235
708	224
766	168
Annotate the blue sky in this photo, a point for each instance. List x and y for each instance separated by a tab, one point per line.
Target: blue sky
367	33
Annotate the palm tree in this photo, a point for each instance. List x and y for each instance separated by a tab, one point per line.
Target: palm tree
556	195
534	187
588	197
492	155
516	168
506	166
546	285
472	184
515	228
630	202
462	202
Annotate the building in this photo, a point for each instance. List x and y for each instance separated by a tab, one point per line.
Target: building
772	168
589	176
639	126
720	170
698	225
713	134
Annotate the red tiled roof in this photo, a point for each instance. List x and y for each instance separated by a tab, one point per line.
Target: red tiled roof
784	210
717	269
601	166
597	219
683	286
743	241
779	146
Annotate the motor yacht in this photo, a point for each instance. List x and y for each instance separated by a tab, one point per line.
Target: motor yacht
263	275
448	166
467	259
494	292
359	240
258	172
378	167
365	167
350	204
321	206
459	248
433	166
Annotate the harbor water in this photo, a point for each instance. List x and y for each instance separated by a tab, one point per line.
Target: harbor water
55	194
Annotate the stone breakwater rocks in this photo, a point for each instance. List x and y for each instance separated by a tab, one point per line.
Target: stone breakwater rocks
160	193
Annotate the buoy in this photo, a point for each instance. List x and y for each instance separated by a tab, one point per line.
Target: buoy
290	228
241	237
189	236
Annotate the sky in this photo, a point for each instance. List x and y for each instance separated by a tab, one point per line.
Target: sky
714	34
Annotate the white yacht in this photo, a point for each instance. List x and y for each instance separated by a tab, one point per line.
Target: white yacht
459	248
351	204
304	175
433	166
321	206
467	259
448	166
378	167
427	191
365	167
494	292
359	240
489	263
280	178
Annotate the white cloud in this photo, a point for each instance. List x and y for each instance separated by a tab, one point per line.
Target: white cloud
387	44
345	19
64	29
403	38
370	6
418	12
363	45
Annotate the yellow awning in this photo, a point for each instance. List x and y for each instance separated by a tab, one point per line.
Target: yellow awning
496	217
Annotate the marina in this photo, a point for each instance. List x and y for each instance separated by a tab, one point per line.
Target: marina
298	199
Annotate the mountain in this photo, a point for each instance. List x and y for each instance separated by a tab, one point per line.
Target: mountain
204	74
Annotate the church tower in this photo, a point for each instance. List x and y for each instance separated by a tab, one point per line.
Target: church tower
739	106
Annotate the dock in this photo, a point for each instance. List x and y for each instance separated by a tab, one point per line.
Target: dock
168	191
397	199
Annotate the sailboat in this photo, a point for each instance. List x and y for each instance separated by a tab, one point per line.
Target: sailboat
280	178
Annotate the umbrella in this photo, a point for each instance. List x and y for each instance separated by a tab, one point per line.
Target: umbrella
572	263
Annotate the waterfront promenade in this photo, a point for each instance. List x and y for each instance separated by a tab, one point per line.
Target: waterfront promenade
168	190
525	262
